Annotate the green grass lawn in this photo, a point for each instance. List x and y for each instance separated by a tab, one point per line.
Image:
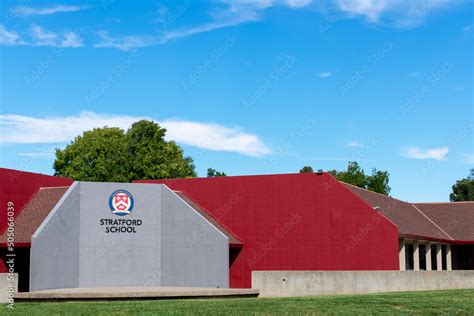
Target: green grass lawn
456	302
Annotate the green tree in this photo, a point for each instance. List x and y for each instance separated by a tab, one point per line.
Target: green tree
110	154
378	182
212	173
463	190
306	169
151	157
97	155
355	175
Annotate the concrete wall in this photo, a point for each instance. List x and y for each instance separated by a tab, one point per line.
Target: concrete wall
54	254
188	238
6	286
73	249
308	283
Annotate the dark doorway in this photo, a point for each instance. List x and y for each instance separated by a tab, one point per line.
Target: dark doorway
21	266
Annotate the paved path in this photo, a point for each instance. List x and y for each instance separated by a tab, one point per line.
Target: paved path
123	293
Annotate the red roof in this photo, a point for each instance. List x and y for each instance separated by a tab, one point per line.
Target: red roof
34	213
455	218
234	241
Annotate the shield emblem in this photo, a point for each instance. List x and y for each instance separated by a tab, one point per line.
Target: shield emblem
121	202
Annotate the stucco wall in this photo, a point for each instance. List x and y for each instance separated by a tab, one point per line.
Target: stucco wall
308	283
73	249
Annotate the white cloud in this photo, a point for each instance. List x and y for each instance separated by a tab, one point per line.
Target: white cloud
22	129
418	153
368	8
354	144
72	40
37	154
27	11
124	42
400	13
9	38
42	37
215	137
325	74
298	3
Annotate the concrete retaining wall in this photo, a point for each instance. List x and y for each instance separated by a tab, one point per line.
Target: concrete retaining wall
307	283
6	286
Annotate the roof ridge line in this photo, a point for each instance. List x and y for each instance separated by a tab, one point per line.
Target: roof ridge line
455	202
49	188
386	196
436	225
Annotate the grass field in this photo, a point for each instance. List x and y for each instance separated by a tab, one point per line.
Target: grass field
456	302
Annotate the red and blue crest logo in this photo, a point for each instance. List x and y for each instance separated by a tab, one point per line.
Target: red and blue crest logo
121	202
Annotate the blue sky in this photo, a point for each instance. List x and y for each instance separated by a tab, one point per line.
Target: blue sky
249	87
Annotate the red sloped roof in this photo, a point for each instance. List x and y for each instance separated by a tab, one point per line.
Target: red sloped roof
232	239
456	218
411	222
34	213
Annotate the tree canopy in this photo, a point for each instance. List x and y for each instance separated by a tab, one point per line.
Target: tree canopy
111	154
463	190
306	169
212	173
355	175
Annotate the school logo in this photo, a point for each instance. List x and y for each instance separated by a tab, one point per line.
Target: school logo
121	202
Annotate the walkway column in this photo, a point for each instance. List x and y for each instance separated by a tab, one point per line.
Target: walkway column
449	264
439	260
416	256
428	256
401	255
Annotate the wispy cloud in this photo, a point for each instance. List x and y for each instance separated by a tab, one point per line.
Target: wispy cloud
124	42
335	159
325	74
22	129
298	3
9	38
72	40
400	13
43	37
419	153
37	154
354	144
371	9
28	11
229	13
